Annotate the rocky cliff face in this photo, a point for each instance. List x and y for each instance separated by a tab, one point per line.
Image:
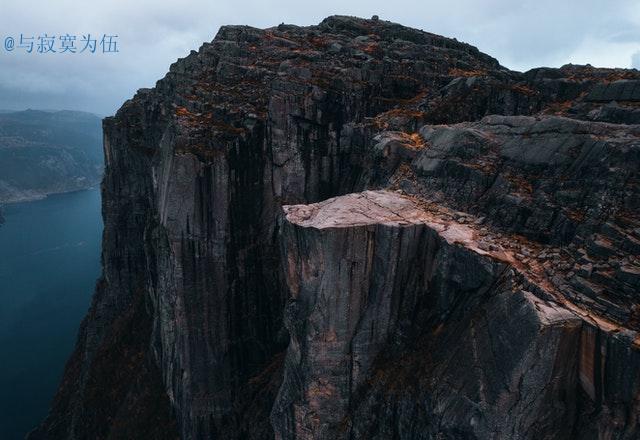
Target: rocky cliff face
437	271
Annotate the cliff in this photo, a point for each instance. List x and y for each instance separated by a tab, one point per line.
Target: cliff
47	152
361	230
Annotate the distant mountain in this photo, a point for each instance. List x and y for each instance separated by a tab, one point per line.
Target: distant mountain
48	152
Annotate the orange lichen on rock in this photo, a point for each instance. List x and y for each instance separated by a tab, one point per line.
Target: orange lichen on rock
456	72
182	111
523	89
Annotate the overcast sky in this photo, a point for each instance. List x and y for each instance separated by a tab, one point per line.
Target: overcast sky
153	34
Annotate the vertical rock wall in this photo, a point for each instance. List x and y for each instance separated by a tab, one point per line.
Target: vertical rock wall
461	317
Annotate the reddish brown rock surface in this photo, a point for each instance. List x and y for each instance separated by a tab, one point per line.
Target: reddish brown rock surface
403	312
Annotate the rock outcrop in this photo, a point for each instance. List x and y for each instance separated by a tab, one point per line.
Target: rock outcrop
457	256
403	325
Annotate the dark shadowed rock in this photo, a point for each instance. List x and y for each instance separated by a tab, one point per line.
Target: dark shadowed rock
398	317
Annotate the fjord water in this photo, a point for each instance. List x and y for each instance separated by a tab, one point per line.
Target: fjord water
49	263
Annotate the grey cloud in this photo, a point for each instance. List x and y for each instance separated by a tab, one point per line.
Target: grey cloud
154	34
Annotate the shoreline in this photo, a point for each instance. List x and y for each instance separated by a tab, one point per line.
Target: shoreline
42	196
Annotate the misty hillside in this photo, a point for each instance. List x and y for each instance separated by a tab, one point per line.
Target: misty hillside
48	152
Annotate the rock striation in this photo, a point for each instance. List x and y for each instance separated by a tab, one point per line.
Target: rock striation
403	325
361	230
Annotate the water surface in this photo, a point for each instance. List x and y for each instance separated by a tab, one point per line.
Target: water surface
49	263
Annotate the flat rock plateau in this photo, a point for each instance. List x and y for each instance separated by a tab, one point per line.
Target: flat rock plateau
358	230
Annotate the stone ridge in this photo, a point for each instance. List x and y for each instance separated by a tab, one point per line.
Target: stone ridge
395	209
392	208
365	208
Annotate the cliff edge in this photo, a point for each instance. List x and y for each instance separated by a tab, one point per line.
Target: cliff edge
358	230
